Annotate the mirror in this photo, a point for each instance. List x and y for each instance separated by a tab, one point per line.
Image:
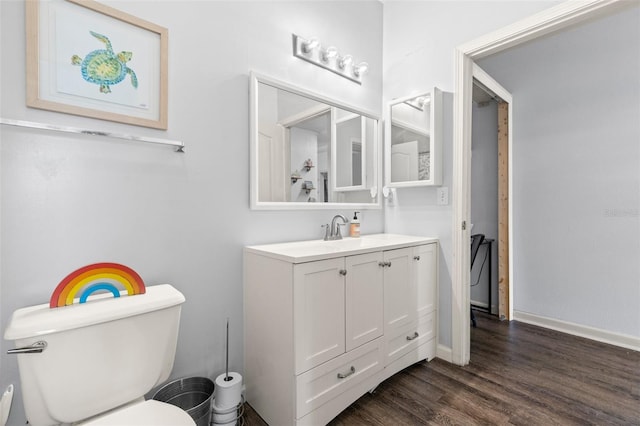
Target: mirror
308	151
413	141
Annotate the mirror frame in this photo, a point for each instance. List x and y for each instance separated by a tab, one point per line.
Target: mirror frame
254	80
435	141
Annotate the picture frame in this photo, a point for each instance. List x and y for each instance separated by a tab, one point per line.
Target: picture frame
88	59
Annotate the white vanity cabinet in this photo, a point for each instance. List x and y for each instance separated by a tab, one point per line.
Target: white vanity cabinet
324	319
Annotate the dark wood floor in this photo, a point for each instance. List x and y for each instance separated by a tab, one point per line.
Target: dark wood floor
519	375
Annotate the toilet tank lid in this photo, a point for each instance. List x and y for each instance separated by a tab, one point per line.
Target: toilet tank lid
40	320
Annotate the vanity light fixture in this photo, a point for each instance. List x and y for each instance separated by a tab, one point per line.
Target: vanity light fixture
310	50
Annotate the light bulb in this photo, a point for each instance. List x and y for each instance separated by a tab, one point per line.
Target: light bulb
309	45
360	69
422	101
345	61
329	53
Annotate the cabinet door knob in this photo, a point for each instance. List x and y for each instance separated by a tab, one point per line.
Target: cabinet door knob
344	376
415	336
343	272
416	257
383	264
389	264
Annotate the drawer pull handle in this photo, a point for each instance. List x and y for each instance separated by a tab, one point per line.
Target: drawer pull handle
343	272
344	376
415	336
416	257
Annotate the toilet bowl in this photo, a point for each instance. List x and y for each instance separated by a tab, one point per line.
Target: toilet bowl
92	363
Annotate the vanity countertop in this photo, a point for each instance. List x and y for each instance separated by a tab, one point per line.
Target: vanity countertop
308	251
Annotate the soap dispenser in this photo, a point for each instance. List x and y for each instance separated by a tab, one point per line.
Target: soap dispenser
354	227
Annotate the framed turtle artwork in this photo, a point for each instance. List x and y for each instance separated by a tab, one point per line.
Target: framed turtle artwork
89	59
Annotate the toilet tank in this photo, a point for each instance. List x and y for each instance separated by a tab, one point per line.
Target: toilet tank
100	354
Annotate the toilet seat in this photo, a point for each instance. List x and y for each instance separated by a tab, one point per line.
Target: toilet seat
147	413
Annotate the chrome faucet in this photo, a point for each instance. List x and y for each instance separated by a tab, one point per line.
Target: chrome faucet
335	227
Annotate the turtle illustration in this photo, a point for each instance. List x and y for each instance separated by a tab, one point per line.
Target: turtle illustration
104	67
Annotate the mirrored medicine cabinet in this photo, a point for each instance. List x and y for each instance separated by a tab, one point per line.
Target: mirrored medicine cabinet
309	151
413	141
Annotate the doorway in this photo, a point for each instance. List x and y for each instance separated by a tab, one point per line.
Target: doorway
484	201
550	20
490	194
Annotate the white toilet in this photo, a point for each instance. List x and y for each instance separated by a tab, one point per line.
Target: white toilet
99	359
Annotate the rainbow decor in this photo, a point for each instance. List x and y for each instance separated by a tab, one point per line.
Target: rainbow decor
96	277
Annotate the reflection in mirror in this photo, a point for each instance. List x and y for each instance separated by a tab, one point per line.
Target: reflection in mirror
410	149
351	135
413	141
309	152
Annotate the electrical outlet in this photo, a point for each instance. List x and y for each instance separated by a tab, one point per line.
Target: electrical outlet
442	195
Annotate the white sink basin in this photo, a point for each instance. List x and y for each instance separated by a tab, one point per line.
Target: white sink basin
347	243
305	251
319	247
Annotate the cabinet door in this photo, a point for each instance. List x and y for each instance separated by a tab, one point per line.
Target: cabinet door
318	312
364	299
399	289
424	258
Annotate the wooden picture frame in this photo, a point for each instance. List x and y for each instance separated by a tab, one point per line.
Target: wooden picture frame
88	59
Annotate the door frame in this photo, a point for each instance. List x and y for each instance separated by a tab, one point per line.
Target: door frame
550	20
505	245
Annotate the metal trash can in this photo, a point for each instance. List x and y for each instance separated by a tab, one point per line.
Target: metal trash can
192	394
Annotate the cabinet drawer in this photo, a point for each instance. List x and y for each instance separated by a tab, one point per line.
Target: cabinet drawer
323	383
408	338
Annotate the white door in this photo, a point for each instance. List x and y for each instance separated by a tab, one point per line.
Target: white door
364	299
404	161
318	312
270	165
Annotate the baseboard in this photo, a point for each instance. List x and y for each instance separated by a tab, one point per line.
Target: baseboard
444	353
617	339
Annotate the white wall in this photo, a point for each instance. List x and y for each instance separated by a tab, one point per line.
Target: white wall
576	172
419	42
68	201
